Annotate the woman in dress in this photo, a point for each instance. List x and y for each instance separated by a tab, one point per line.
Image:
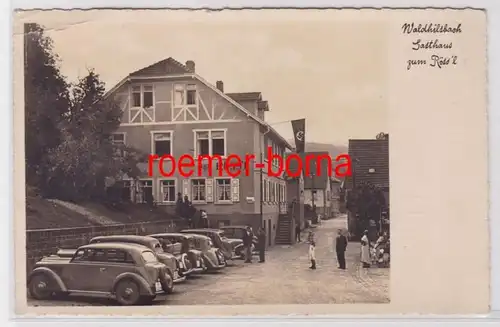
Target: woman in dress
365	250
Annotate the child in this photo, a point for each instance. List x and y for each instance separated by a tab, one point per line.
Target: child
312	255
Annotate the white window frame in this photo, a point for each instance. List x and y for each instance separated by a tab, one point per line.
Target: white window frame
191	197
141	111
153	150
216	194
119	133
185	88
210	146
136	189
160	190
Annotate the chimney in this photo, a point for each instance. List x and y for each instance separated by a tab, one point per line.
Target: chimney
220	86
190	66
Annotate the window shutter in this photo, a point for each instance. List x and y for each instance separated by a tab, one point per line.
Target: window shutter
185	188
209	190
235	185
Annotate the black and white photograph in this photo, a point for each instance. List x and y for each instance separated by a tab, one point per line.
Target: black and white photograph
177	160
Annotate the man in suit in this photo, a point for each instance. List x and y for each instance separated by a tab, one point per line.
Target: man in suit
340	247
261	236
247	243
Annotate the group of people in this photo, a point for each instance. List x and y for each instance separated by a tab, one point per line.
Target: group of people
248	240
340	248
185	209
366	247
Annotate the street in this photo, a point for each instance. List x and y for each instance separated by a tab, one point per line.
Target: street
285	278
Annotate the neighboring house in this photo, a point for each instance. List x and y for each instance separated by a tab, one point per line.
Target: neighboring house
370	164
316	180
335	186
170	110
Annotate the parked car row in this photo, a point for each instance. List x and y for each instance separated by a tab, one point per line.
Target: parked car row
133	269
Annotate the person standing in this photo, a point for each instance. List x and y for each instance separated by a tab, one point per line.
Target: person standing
312	255
297	232
261	236
188	211
179	205
311	238
247	243
365	250
204	219
340	247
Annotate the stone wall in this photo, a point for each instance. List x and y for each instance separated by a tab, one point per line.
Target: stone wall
43	242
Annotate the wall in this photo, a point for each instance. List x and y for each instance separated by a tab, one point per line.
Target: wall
44	242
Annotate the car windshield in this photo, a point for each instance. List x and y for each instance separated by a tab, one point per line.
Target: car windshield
149	257
158	248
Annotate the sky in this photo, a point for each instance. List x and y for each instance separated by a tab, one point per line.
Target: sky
329	69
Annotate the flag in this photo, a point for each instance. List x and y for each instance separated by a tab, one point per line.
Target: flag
299	134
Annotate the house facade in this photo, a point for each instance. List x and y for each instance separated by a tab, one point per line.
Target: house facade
170	110
335	199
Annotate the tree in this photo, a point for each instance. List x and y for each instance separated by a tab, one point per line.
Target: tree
46	101
367	200
84	159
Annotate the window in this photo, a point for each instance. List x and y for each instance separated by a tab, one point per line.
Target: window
142	96
223	189
118	138
119	256
149	257
167	191
144	191
267	191
210	142
198	190
264	190
142	104
184	95
83	255
126	191
222	223
202	143
162	143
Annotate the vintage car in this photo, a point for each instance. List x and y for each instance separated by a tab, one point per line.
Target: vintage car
128	273
213	257
176	268
182	245
224	244
237	232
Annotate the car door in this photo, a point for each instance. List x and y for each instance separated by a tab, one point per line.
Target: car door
116	262
83	272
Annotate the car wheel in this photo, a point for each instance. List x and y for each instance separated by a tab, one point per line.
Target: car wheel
40	287
128	292
168	284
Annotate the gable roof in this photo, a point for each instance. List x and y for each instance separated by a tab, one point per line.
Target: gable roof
163	67
172	68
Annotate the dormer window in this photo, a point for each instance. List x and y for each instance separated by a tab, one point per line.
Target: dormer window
142	108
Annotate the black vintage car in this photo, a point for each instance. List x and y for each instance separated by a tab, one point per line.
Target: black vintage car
182	245
237	232
176	268
219	240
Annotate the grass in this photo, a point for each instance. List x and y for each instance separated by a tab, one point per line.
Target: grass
43	214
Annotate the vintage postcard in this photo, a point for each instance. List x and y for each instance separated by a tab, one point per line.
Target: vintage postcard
251	162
